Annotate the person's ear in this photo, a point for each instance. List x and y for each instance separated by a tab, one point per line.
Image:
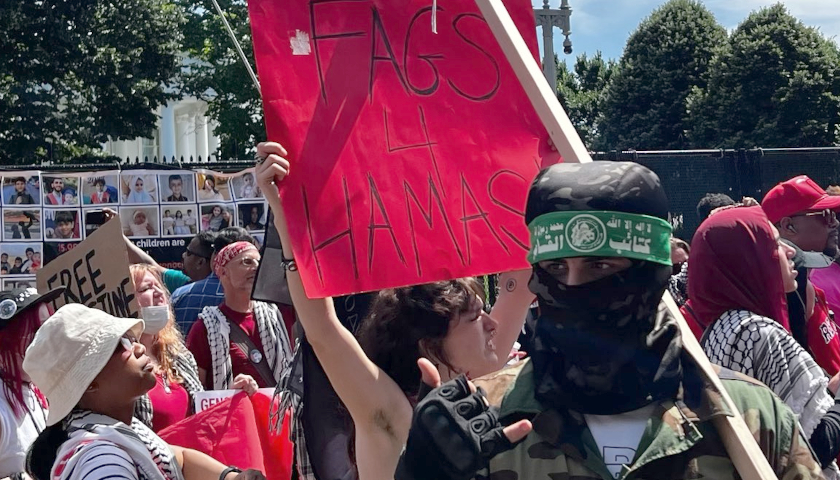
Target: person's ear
786	226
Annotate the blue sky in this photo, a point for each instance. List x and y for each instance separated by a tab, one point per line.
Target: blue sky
605	24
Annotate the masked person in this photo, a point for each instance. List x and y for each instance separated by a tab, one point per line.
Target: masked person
176	372
609	390
23	408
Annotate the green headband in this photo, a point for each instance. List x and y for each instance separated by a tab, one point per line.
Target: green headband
600	234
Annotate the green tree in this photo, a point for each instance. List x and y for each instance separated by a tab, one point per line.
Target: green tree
581	91
775	83
77	73
667	56
217	75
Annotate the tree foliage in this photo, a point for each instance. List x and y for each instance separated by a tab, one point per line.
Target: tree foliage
581	91
216	74
775	83
665	58
78	72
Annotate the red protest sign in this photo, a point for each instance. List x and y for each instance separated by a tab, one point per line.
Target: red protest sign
412	152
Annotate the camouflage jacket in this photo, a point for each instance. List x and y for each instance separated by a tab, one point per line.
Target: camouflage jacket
679	441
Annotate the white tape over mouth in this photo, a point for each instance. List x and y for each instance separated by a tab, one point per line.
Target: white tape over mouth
300	43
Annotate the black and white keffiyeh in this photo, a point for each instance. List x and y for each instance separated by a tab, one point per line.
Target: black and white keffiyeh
151	455
275	342
185	367
678	285
288	396
761	348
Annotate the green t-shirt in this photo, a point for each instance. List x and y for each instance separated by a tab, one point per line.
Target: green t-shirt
174	278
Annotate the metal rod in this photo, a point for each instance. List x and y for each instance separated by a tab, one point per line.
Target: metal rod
238	47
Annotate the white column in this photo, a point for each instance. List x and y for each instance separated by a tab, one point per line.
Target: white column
137	148
213	140
120	149
190	137
202	145
167	132
181	129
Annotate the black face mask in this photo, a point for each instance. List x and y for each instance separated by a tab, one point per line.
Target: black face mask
602	348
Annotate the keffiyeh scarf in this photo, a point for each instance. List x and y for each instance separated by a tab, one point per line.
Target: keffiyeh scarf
186	368
289	396
275	342
761	348
678	285
151	455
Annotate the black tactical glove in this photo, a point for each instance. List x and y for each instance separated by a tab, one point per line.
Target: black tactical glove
454	433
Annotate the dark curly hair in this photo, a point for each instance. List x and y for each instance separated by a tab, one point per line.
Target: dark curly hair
407	323
711	201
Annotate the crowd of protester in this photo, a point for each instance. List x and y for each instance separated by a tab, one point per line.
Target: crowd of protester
433	380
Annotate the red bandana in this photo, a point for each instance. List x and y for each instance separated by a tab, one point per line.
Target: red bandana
229	253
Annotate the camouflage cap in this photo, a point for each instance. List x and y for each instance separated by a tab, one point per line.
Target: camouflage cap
614	209
605	186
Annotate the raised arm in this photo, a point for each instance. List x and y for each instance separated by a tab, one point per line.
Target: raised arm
511	308
135	253
364	388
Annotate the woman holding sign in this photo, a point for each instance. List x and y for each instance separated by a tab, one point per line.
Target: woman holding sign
378	380
176	373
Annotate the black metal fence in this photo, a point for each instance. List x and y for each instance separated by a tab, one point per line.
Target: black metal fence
688	175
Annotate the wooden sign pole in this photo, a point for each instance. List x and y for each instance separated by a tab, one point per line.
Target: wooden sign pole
743	450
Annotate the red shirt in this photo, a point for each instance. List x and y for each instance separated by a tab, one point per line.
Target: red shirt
823	340
199	345
169	407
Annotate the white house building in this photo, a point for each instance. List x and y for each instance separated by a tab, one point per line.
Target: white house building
182	130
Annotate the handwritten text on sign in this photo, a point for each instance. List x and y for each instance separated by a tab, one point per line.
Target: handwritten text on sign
412	152
95	273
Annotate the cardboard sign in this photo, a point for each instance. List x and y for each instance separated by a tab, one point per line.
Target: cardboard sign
412	152
95	273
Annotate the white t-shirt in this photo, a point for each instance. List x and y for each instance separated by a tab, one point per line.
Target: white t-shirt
17	434
618	436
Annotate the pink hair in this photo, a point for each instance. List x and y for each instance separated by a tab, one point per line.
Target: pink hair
13	342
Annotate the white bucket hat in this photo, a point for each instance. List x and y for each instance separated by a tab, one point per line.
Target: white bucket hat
69	351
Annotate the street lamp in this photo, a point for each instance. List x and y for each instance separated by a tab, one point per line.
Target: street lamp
548	18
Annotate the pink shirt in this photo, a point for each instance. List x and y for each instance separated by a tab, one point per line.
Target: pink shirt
828	279
170	405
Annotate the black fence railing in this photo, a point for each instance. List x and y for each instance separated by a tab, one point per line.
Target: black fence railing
687	175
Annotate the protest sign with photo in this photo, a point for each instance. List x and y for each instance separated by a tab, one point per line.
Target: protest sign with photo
101	188
177	187
138	188
411	151
62	224
21	224
216	216
23	188
60	190
37	233
212	188
94	273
